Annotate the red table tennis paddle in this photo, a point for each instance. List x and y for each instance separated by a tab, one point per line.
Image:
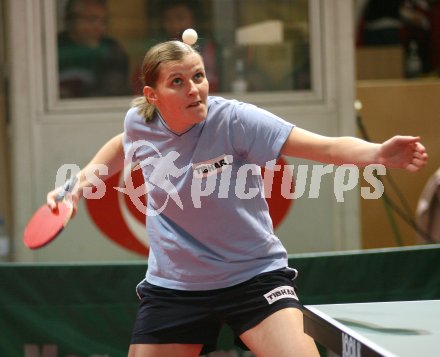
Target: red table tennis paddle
46	224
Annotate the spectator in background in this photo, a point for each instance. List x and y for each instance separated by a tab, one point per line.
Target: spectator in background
177	16
90	63
411	24
435	37
381	23
417	27
428	211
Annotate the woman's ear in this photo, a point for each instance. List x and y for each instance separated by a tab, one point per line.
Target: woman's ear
150	95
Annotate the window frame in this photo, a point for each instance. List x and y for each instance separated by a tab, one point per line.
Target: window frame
55	105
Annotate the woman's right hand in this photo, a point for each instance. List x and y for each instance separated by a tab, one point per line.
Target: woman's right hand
111	155
72	197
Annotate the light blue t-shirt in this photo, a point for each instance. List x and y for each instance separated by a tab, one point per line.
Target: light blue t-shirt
207	219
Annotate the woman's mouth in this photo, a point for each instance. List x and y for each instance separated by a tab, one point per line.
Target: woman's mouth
195	104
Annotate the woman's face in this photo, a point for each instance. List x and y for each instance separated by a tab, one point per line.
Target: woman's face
181	93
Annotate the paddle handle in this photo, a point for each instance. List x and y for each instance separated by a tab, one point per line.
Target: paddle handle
67	187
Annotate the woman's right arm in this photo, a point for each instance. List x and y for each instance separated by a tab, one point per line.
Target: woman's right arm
111	155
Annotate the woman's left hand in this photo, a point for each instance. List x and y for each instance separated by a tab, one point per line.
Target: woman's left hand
404	152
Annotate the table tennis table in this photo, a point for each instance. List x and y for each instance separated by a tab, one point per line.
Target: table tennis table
403	328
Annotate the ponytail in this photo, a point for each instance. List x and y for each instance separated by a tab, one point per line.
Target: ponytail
145	109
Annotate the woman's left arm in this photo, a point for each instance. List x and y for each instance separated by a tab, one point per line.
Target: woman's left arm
397	152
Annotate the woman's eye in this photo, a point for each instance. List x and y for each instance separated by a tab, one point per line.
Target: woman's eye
177	81
199	76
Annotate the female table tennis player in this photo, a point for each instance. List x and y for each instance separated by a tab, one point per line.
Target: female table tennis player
215	259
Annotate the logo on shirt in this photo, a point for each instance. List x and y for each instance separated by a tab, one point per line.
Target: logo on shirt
164	168
282	292
212	167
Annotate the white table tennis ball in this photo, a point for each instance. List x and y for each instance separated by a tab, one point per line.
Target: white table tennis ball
189	36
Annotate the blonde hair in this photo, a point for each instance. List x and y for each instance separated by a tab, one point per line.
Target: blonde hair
161	53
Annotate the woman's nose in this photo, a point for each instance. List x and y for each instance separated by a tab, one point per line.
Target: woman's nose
193	89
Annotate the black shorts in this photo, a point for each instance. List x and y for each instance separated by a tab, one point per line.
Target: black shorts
196	317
